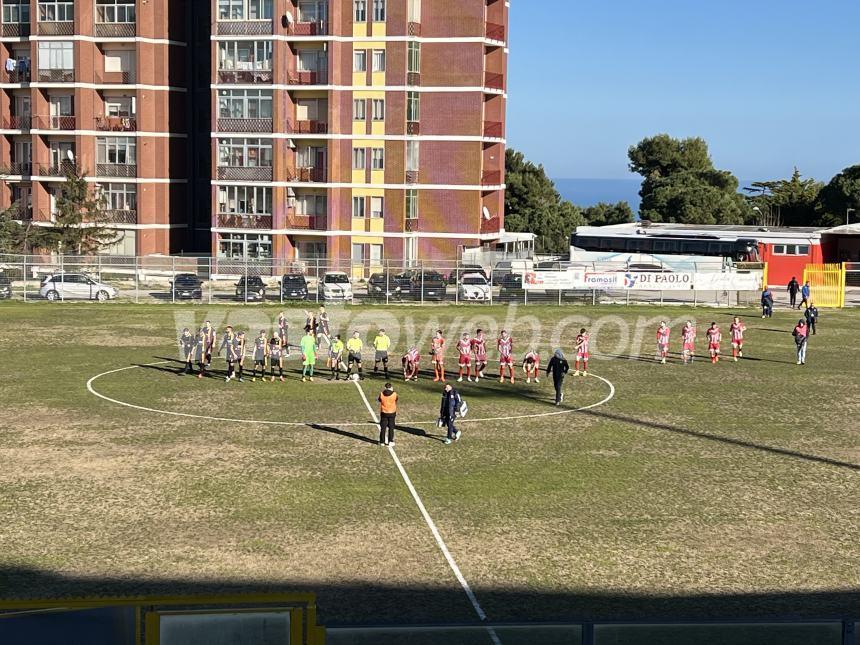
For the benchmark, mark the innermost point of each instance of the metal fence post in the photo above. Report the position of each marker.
(136, 280)
(246, 281)
(593, 297)
(62, 277)
(387, 284)
(422, 282)
(210, 280)
(661, 297)
(173, 280)
(457, 278)
(24, 277)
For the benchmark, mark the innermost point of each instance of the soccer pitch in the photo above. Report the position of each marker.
(655, 492)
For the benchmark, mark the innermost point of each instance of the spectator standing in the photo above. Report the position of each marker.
(801, 336)
(766, 303)
(448, 412)
(558, 367)
(805, 292)
(811, 316)
(793, 288)
(387, 415)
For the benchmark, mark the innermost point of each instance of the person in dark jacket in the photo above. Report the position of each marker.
(558, 367)
(766, 303)
(448, 412)
(793, 288)
(811, 315)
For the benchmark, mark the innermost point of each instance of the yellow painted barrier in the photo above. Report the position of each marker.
(827, 284)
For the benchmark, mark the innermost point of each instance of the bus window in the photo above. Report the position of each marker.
(803, 249)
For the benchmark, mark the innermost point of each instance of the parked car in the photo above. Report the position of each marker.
(464, 270)
(474, 286)
(75, 286)
(427, 285)
(186, 285)
(335, 286)
(383, 285)
(510, 286)
(251, 288)
(5, 287)
(294, 286)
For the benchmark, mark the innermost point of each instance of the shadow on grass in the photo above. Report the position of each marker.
(343, 433)
(417, 432)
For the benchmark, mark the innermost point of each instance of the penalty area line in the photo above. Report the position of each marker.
(433, 529)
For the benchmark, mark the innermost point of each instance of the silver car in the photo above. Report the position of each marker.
(75, 286)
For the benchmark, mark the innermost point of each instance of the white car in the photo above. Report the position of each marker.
(335, 286)
(75, 286)
(474, 286)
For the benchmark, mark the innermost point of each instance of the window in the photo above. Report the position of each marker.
(245, 153)
(311, 204)
(412, 204)
(414, 11)
(245, 9)
(791, 249)
(378, 10)
(16, 12)
(359, 58)
(378, 109)
(413, 57)
(115, 11)
(312, 60)
(376, 253)
(412, 155)
(119, 60)
(413, 106)
(245, 247)
(116, 150)
(311, 157)
(119, 197)
(359, 110)
(358, 204)
(359, 10)
(359, 158)
(312, 11)
(245, 104)
(244, 200)
(55, 11)
(56, 55)
(377, 158)
(358, 252)
(376, 207)
(411, 250)
(378, 60)
(312, 110)
(245, 55)
(803, 249)
(119, 106)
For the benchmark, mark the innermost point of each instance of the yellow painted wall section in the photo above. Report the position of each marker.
(359, 30)
(377, 128)
(378, 79)
(378, 29)
(359, 79)
(377, 176)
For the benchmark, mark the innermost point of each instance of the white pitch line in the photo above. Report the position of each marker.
(435, 531)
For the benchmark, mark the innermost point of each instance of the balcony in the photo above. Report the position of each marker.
(306, 222)
(231, 220)
(21, 213)
(414, 29)
(120, 216)
(494, 81)
(56, 75)
(313, 175)
(413, 78)
(412, 225)
(245, 28)
(413, 127)
(260, 125)
(60, 169)
(411, 176)
(245, 76)
(116, 30)
(491, 178)
(316, 28)
(116, 170)
(12, 29)
(17, 122)
(18, 76)
(492, 225)
(493, 129)
(22, 168)
(495, 32)
(127, 77)
(307, 127)
(308, 77)
(56, 122)
(245, 173)
(64, 28)
(116, 123)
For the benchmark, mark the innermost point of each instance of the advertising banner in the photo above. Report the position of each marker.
(553, 280)
(677, 281)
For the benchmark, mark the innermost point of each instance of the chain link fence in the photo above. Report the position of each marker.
(182, 279)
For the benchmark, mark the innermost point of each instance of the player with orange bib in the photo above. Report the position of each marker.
(663, 333)
(582, 340)
(506, 356)
(737, 329)
(437, 355)
(688, 336)
(464, 351)
(715, 336)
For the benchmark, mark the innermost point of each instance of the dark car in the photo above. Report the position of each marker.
(294, 286)
(510, 286)
(5, 287)
(465, 269)
(382, 285)
(427, 285)
(186, 285)
(250, 288)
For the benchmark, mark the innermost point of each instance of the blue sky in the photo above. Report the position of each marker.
(769, 84)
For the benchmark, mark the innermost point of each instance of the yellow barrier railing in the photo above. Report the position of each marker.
(827, 284)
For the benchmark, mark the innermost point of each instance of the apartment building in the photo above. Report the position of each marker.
(99, 85)
(357, 131)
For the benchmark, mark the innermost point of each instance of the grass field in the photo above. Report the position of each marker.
(697, 492)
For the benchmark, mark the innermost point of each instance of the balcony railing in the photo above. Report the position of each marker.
(413, 127)
(116, 123)
(11, 29)
(414, 28)
(116, 78)
(231, 124)
(231, 220)
(245, 28)
(64, 28)
(23, 168)
(494, 81)
(56, 122)
(22, 213)
(316, 28)
(493, 129)
(120, 216)
(495, 32)
(245, 76)
(17, 76)
(17, 122)
(116, 30)
(411, 176)
(491, 178)
(245, 173)
(412, 225)
(413, 78)
(116, 170)
(307, 174)
(492, 225)
(306, 222)
(56, 75)
(56, 169)
(307, 127)
(308, 77)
